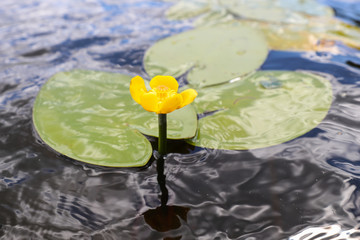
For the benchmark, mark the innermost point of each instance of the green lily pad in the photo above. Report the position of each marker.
(279, 11)
(295, 37)
(309, 7)
(246, 115)
(335, 29)
(264, 11)
(298, 25)
(211, 55)
(318, 35)
(90, 116)
(188, 9)
(181, 123)
(285, 36)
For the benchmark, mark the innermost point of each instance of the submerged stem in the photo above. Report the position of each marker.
(162, 180)
(160, 161)
(162, 134)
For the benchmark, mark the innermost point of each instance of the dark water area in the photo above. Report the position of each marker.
(348, 11)
(268, 193)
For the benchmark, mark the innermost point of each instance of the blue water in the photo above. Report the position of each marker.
(268, 193)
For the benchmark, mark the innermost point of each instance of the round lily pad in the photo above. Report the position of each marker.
(309, 7)
(318, 35)
(188, 9)
(335, 29)
(210, 55)
(264, 109)
(90, 116)
(264, 11)
(280, 11)
(285, 36)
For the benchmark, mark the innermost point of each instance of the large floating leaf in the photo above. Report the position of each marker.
(261, 110)
(317, 35)
(188, 9)
(90, 116)
(286, 36)
(212, 55)
(280, 11)
(287, 24)
(278, 36)
(335, 29)
(288, 11)
(309, 7)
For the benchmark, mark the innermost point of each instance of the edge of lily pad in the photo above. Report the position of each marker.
(148, 152)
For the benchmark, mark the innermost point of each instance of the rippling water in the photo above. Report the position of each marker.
(269, 193)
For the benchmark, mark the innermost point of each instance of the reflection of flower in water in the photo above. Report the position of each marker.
(165, 218)
(163, 97)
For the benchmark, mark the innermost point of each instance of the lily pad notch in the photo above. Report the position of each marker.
(209, 55)
(264, 109)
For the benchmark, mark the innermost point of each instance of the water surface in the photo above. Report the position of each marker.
(268, 193)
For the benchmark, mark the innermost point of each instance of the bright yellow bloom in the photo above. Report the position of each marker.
(163, 97)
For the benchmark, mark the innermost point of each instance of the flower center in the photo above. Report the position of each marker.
(163, 92)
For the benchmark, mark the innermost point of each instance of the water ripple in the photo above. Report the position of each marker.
(269, 193)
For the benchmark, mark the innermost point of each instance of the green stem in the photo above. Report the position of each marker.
(162, 134)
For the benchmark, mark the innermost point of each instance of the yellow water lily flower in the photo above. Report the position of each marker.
(163, 97)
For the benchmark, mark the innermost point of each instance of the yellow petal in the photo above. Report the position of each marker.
(137, 88)
(170, 104)
(150, 102)
(188, 96)
(168, 81)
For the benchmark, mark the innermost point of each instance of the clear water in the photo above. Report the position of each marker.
(269, 193)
